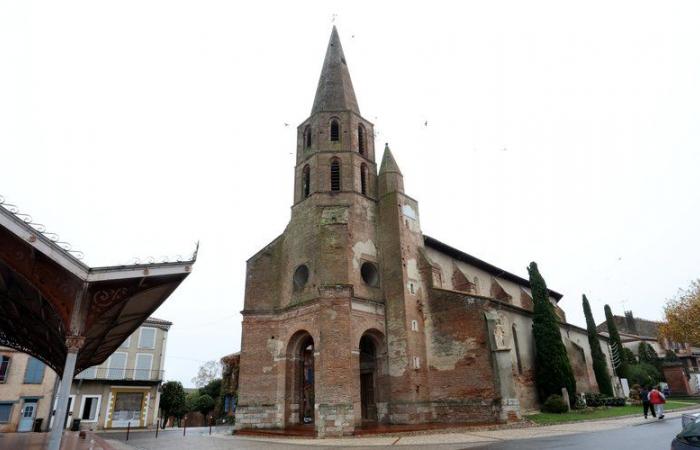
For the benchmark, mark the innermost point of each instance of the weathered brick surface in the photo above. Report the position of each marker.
(430, 353)
(677, 381)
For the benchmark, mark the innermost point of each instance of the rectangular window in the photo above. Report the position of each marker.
(4, 368)
(147, 338)
(117, 366)
(5, 412)
(91, 408)
(88, 374)
(144, 361)
(34, 374)
(127, 408)
(416, 362)
(126, 343)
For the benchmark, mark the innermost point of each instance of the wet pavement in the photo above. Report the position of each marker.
(39, 441)
(628, 433)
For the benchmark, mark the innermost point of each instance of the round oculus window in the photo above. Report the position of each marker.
(301, 276)
(370, 274)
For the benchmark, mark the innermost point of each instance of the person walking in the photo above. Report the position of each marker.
(644, 397)
(657, 398)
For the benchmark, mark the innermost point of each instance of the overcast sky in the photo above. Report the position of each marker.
(564, 133)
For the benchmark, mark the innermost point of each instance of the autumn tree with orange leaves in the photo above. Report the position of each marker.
(682, 322)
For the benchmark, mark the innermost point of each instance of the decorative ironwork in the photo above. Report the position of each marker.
(136, 260)
(41, 228)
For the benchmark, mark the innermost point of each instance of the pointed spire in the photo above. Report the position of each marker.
(334, 91)
(388, 162)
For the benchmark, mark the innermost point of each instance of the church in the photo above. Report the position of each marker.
(353, 316)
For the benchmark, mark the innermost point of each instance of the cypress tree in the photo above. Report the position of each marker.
(553, 369)
(600, 366)
(616, 344)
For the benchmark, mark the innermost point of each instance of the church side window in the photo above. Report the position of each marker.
(517, 350)
(363, 179)
(306, 182)
(335, 130)
(307, 137)
(335, 175)
(361, 139)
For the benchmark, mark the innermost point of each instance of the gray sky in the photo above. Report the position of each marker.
(560, 132)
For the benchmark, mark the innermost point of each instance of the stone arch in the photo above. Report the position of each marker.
(300, 379)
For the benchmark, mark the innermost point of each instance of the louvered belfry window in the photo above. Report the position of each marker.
(335, 175)
(335, 131)
(363, 179)
(307, 137)
(361, 139)
(306, 182)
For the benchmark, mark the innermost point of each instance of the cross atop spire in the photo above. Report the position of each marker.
(334, 91)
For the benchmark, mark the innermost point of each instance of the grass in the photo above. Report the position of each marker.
(603, 412)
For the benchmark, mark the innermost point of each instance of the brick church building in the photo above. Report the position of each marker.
(353, 316)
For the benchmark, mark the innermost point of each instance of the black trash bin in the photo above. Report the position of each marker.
(75, 426)
(37, 425)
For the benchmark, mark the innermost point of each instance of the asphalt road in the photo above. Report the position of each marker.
(649, 435)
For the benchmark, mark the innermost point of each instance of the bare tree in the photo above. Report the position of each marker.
(208, 371)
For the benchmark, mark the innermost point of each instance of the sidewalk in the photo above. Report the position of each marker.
(483, 436)
(39, 441)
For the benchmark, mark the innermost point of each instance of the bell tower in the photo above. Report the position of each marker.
(335, 145)
(313, 349)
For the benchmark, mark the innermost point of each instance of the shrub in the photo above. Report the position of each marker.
(595, 400)
(643, 374)
(555, 404)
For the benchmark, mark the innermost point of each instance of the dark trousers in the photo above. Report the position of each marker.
(648, 406)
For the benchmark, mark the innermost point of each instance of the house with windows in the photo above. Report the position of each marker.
(27, 387)
(682, 375)
(124, 390)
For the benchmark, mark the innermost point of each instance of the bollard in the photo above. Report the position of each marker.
(157, 426)
(209, 426)
(184, 427)
(128, 427)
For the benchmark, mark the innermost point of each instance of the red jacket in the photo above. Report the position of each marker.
(656, 397)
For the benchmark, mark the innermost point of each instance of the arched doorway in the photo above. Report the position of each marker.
(300, 380)
(306, 384)
(368, 378)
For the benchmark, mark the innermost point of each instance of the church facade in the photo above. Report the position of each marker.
(353, 316)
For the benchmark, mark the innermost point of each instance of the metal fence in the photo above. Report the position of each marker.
(113, 373)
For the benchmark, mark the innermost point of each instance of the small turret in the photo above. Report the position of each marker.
(390, 177)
